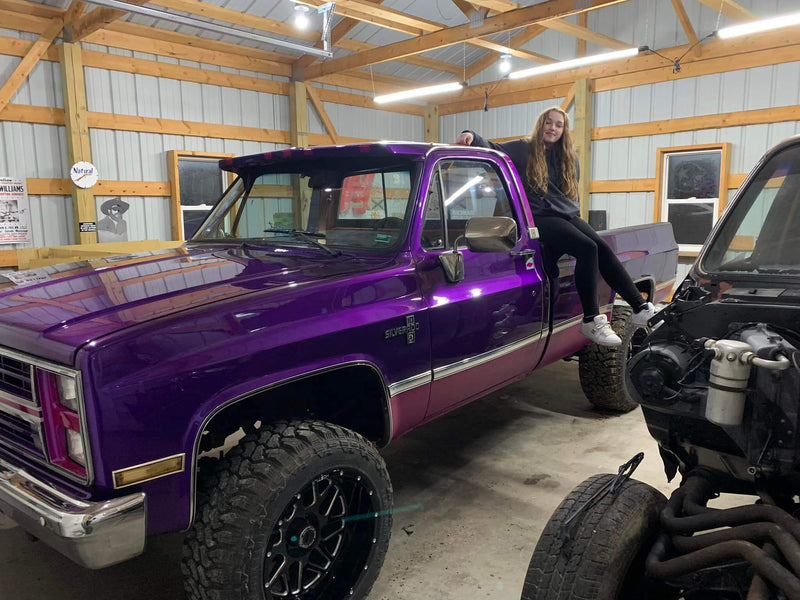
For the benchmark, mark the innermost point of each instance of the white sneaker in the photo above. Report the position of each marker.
(599, 331)
(641, 318)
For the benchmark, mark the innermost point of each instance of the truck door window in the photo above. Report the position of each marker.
(459, 190)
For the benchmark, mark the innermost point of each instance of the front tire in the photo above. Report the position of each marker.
(603, 559)
(602, 368)
(301, 509)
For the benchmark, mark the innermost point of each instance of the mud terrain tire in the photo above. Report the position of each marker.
(602, 368)
(299, 509)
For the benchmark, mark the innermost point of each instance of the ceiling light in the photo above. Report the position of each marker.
(300, 16)
(505, 63)
(757, 26)
(418, 92)
(576, 62)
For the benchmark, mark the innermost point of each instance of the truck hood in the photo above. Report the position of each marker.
(52, 311)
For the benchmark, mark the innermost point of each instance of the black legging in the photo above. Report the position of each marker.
(577, 238)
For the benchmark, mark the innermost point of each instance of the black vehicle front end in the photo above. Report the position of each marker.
(718, 380)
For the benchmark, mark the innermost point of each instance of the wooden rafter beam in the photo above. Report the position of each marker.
(99, 19)
(338, 33)
(583, 33)
(517, 41)
(729, 8)
(323, 114)
(31, 59)
(552, 9)
(420, 61)
(686, 23)
(218, 13)
(497, 5)
(465, 7)
(568, 99)
(502, 48)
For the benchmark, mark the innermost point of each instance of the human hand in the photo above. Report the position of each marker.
(465, 139)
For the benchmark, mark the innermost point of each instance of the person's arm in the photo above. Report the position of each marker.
(470, 138)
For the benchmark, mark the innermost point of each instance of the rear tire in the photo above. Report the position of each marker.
(299, 509)
(602, 368)
(603, 559)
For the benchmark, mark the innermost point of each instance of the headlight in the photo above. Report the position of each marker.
(75, 449)
(68, 392)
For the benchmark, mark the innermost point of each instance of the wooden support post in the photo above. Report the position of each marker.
(298, 115)
(432, 123)
(78, 145)
(583, 141)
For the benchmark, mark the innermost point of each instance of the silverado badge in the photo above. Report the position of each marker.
(409, 330)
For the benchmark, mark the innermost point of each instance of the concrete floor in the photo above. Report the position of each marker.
(479, 485)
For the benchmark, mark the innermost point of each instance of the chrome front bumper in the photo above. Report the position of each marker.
(93, 534)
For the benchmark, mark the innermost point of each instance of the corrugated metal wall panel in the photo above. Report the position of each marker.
(51, 222)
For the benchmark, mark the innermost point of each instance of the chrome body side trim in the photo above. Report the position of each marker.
(410, 383)
(93, 534)
(480, 359)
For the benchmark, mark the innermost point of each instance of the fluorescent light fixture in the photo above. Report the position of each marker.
(455, 195)
(418, 92)
(575, 62)
(757, 26)
(505, 63)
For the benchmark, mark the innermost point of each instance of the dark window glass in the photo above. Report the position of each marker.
(694, 175)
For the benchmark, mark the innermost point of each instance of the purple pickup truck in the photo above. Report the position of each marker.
(239, 387)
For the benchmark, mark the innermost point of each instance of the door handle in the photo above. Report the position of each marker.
(526, 253)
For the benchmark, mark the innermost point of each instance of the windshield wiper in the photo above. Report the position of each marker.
(307, 237)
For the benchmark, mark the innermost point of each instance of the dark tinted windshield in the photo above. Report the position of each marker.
(761, 234)
(337, 204)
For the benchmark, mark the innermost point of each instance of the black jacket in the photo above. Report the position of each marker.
(554, 202)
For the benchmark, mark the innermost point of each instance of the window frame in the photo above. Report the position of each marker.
(661, 203)
(437, 179)
(173, 158)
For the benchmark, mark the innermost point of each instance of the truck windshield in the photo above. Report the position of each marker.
(331, 206)
(761, 234)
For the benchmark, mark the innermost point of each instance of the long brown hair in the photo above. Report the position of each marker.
(565, 155)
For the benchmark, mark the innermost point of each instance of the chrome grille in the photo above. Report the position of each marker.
(20, 416)
(15, 377)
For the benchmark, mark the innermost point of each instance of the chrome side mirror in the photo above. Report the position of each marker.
(491, 234)
(483, 234)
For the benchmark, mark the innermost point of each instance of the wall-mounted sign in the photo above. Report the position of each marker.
(83, 174)
(88, 226)
(14, 211)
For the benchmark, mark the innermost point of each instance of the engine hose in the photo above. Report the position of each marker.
(693, 494)
(753, 532)
(656, 566)
(759, 589)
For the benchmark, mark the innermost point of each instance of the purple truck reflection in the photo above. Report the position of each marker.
(238, 387)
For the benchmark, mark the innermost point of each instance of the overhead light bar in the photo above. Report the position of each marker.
(225, 30)
(576, 62)
(452, 86)
(758, 26)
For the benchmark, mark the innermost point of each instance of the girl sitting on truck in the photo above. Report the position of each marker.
(549, 169)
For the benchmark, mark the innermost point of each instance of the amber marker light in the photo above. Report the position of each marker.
(148, 471)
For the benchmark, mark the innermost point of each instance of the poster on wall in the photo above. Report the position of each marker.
(14, 211)
(113, 227)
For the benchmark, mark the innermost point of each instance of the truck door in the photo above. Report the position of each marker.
(485, 329)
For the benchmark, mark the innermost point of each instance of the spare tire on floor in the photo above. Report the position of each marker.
(603, 556)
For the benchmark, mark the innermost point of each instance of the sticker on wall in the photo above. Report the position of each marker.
(83, 174)
(88, 227)
(14, 211)
(113, 227)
